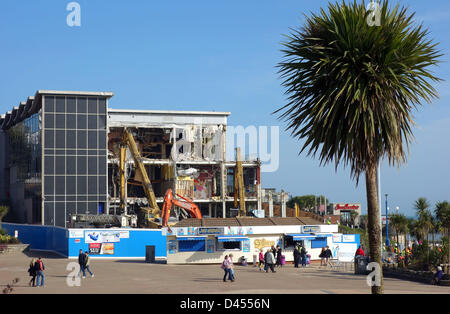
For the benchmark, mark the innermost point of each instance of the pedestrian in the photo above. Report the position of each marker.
(87, 261)
(322, 257)
(224, 266)
(303, 256)
(296, 257)
(437, 276)
(227, 266)
(261, 259)
(81, 262)
(360, 252)
(270, 261)
(39, 269)
(279, 255)
(230, 258)
(328, 254)
(32, 273)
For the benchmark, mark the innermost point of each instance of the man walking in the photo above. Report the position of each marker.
(296, 257)
(82, 262)
(87, 261)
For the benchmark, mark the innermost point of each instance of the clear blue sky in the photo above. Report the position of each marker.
(210, 55)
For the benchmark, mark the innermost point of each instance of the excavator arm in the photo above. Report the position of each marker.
(184, 203)
(154, 210)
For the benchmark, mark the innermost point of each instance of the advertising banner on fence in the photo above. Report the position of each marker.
(102, 236)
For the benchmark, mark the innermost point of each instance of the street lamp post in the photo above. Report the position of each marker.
(387, 223)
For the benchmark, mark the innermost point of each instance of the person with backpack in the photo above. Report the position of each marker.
(32, 273)
(39, 269)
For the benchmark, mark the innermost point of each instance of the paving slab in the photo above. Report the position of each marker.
(137, 277)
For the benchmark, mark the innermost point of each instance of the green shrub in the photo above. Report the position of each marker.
(7, 239)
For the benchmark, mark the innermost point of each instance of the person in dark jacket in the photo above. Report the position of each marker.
(39, 269)
(279, 254)
(32, 273)
(82, 262)
(327, 255)
(296, 257)
(303, 256)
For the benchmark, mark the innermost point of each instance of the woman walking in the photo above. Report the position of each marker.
(227, 266)
(322, 257)
(279, 256)
(261, 259)
(32, 273)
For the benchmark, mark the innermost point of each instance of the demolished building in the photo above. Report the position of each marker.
(60, 157)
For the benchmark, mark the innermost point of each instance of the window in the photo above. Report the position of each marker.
(229, 245)
(290, 243)
(191, 246)
(318, 243)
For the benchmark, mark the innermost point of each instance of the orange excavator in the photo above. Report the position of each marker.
(183, 203)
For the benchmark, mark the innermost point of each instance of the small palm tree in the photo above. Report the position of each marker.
(395, 221)
(442, 212)
(351, 90)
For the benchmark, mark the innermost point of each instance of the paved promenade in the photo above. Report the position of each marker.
(134, 277)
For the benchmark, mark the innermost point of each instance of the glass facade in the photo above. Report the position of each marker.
(25, 155)
(74, 157)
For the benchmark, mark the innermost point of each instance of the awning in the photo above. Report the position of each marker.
(193, 238)
(301, 236)
(324, 235)
(231, 238)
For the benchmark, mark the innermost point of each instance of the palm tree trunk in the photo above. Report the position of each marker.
(373, 214)
(398, 248)
(406, 250)
(428, 250)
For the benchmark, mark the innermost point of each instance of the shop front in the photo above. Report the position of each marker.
(209, 245)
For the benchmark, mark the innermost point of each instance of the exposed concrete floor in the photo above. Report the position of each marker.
(134, 277)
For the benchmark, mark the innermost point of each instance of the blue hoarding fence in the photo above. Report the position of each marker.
(102, 243)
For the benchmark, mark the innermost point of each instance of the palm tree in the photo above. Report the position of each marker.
(424, 216)
(424, 221)
(395, 221)
(351, 89)
(363, 221)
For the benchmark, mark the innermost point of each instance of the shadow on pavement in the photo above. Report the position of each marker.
(43, 254)
(139, 262)
(207, 279)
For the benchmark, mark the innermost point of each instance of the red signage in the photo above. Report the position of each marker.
(346, 207)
